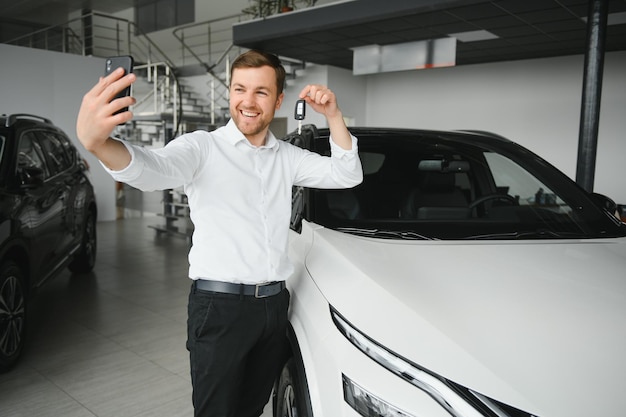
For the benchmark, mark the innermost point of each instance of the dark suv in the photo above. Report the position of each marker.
(47, 218)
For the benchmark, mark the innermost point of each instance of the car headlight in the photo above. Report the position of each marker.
(456, 399)
(366, 403)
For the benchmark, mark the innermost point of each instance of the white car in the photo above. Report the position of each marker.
(465, 276)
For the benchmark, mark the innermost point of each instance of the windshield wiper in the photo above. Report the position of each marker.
(384, 234)
(529, 234)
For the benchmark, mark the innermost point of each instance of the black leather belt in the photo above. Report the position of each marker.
(259, 290)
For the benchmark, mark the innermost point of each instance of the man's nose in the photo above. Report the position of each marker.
(249, 98)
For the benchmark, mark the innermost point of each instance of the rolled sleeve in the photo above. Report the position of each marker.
(131, 171)
(347, 164)
(338, 152)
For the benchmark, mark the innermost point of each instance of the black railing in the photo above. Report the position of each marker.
(95, 34)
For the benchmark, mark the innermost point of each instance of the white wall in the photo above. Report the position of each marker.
(316, 74)
(536, 103)
(350, 92)
(51, 84)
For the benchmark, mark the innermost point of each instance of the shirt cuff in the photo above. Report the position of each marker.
(130, 170)
(340, 152)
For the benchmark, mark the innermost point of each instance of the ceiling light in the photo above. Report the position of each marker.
(616, 18)
(473, 36)
(433, 53)
(613, 18)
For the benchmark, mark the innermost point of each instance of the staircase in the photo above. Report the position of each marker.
(174, 96)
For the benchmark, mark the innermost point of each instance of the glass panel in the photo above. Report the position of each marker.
(514, 180)
(153, 15)
(444, 188)
(30, 155)
(55, 152)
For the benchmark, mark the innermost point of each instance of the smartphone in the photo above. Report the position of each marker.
(114, 62)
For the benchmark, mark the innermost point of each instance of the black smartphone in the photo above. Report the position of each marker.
(114, 62)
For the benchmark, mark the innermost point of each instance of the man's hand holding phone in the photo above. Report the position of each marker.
(102, 109)
(125, 62)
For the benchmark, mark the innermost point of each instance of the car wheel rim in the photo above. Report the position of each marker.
(11, 316)
(90, 240)
(289, 403)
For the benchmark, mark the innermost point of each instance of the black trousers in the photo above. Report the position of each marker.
(237, 345)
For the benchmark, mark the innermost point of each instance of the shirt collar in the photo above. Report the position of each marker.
(234, 136)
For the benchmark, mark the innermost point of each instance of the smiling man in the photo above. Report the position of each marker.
(253, 101)
(238, 180)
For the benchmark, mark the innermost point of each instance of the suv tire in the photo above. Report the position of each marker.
(12, 314)
(290, 401)
(85, 259)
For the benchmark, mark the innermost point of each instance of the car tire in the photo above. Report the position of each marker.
(85, 259)
(12, 314)
(290, 393)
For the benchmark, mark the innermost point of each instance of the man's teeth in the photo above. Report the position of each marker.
(248, 114)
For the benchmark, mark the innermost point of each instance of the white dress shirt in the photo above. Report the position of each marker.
(239, 196)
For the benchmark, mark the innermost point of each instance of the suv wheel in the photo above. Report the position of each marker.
(85, 259)
(12, 314)
(289, 394)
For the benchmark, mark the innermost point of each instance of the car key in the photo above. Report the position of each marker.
(299, 114)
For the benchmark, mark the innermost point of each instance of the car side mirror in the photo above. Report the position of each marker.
(297, 207)
(605, 203)
(31, 177)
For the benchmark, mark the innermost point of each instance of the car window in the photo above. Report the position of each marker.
(56, 151)
(30, 155)
(371, 162)
(514, 180)
(440, 188)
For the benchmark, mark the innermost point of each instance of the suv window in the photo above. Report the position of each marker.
(55, 148)
(514, 180)
(30, 155)
(443, 188)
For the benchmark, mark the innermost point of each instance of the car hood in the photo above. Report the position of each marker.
(538, 324)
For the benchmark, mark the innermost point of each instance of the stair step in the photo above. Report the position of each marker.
(190, 70)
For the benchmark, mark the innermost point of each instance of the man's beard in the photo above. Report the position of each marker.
(248, 127)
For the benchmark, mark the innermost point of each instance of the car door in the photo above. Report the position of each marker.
(41, 211)
(60, 163)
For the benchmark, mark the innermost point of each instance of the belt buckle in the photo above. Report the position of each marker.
(256, 290)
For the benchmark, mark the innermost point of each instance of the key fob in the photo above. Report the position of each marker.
(300, 110)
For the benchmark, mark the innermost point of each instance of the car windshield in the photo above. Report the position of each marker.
(459, 187)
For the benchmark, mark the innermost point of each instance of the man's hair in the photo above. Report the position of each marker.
(257, 59)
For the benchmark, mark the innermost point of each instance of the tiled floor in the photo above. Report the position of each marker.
(111, 343)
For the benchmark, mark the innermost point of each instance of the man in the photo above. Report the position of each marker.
(238, 180)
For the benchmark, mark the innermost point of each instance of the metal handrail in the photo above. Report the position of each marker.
(167, 84)
(207, 23)
(99, 34)
(130, 27)
(118, 39)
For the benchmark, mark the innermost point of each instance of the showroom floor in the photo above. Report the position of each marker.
(111, 343)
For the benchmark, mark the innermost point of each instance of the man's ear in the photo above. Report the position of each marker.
(279, 101)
